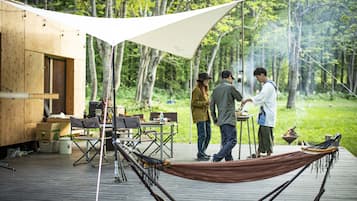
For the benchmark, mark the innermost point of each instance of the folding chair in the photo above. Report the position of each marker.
(83, 126)
(134, 135)
(154, 116)
(172, 118)
(123, 134)
(141, 116)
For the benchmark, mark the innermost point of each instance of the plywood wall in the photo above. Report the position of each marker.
(26, 39)
(12, 77)
(34, 72)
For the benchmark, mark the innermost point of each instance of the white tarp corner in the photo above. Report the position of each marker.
(179, 34)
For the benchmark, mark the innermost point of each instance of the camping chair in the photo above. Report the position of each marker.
(173, 120)
(80, 132)
(124, 134)
(133, 123)
(154, 116)
(132, 134)
(141, 116)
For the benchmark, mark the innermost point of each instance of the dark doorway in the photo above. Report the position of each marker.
(55, 82)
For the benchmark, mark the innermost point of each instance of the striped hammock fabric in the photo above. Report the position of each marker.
(245, 170)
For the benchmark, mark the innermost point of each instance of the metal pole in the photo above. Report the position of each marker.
(117, 163)
(191, 64)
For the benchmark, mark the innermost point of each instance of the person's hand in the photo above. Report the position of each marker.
(245, 101)
(242, 103)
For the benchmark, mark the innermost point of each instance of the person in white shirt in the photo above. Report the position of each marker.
(266, 99)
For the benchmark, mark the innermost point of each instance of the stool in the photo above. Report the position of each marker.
(246, 119)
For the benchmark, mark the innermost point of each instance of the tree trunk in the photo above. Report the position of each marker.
(149, 64)
(293, 62)
(343, 59)
(120, 51)
(144, 54)
(334, 73)
(92, 68)
(91, 58)
(214, 52)
(107, 71)
(354, 72)
(278, 67)
(308, 79)
(292, 85)
(263, 55)
(273, 64)
(107, 59)
(196, 65)
(149, 82)
(250, 70)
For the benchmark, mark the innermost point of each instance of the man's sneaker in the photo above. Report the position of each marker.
(213, 159)
(203, 158)
(206, 155)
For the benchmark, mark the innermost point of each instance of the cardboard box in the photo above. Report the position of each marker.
(44, 135)
(48, 126)
(48, 131)
(63, 124)
(49, 146)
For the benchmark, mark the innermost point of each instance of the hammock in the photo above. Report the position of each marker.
(243, 170)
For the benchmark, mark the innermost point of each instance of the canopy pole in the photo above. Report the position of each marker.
(191, 66)
(117, 163)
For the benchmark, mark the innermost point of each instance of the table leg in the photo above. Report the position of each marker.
(255, 144)
(161, 133)
(240, 139)
(172, 141)
(250, 148)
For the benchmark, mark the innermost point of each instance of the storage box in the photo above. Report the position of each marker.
(48, 131)
(49, 146)
(63, 124)
(44, 135)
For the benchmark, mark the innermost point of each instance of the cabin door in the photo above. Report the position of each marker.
(55, 82)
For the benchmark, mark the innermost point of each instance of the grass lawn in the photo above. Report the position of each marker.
(313, 118)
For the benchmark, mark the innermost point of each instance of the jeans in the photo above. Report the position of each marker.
(229, 140)
(204, 137)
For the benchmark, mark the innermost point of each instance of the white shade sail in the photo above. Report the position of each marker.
(179, 34)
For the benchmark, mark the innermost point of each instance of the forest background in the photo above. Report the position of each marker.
(308, 48)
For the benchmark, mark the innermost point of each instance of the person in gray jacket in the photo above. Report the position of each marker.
(223, 99)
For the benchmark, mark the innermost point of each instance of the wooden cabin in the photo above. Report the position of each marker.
(40, 60)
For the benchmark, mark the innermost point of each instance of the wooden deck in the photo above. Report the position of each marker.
(42, 176)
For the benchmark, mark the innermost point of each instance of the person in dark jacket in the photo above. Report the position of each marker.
(201, 116)
(223, 99)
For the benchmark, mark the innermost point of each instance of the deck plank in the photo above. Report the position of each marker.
(50, 177)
